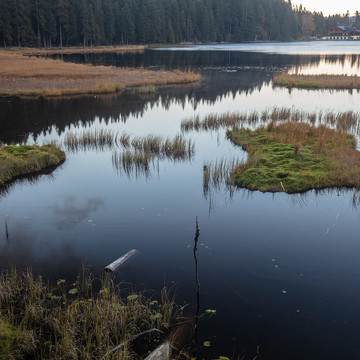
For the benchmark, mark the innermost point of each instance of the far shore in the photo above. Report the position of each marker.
(78, 50)
(322, 81)
(32, 76)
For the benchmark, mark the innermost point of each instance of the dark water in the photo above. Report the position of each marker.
(281, 271)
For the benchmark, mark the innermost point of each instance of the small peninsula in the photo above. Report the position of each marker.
(296, 157)
(35, 76)
(16, 160)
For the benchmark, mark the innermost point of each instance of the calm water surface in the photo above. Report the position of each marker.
(282, 271)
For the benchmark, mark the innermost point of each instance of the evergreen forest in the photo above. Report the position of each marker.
(59, 23)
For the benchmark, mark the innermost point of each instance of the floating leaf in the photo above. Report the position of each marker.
(209, 311)
(132, 297)
(223, 358)
(207, 343)
(284, 291)
(73, 291)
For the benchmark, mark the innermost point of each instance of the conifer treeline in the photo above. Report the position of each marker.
(107, 22)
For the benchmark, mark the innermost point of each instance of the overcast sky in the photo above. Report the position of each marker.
(329, 7)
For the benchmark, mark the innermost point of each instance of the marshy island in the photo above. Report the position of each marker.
(296, 157)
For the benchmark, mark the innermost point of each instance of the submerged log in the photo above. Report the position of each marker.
(162, 352)
(121, 261)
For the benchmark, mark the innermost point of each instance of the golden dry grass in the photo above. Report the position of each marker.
(318, 81)
(30, 76)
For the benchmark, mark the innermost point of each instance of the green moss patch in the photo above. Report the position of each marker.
(27, 159)
(296, 157)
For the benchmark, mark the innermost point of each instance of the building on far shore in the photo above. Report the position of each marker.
(343, 33)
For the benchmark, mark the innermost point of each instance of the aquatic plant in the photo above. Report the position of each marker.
(218, 173)
(96, 139)
(71, 321)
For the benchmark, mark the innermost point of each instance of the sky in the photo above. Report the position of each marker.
(329, 7)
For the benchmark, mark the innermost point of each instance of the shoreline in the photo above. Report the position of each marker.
(22, 75)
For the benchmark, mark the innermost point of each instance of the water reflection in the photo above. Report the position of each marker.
(88, 213)
(73, 210)
(329, 64)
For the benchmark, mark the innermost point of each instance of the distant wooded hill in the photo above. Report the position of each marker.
(108, 22)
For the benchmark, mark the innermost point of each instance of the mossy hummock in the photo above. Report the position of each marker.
(18, 160)
(296, 157)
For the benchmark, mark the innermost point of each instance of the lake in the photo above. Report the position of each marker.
(282, 271)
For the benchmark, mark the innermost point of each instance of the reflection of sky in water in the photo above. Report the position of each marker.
(292, 48)
(88, 212)
(344, 65)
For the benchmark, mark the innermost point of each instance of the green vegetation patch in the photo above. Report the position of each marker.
(296, 157)
(9, 337)
(18, 160)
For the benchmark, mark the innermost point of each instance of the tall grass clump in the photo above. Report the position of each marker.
(38, 321)
(219, 173)
(97, 139)
(296, 157)
(145, 152)
(18, 160)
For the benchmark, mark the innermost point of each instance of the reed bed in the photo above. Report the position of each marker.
(38, 321)
(133, 163)
(103, 139)
(346, 121)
